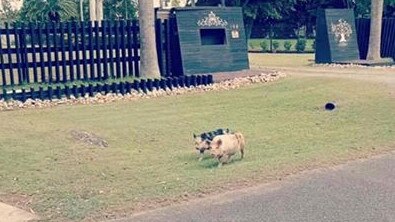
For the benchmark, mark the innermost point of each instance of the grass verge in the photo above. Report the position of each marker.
(150, 157)
(280, 60)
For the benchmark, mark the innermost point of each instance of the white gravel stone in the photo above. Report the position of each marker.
(136, 95)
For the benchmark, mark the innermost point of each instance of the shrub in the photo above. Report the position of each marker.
(264, 46)
(251, 46)
(287, 45)
(276, 45)
(300, 45)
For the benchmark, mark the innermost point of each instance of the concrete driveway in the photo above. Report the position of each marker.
(359, 191)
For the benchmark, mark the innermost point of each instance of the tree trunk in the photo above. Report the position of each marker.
(248, 23)
(82, 10)
(92, 10)
(99, 10)
(375, 30)
(148, 55)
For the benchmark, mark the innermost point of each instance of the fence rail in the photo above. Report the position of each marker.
(69, 51)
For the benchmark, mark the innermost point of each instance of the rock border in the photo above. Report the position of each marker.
(99, 98)
(352, 65)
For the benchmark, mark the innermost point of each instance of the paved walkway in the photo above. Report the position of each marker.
(359, 191)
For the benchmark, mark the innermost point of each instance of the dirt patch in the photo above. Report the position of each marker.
(90, 139)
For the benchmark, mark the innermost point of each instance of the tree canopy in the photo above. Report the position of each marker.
(41, 10)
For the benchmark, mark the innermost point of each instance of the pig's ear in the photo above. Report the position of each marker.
(219, 142)
(194, 136)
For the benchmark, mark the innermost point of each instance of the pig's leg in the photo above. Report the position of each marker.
(201, 154)
(221, 160)
(224, 159)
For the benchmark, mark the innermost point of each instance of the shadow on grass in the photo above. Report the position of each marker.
(208, 162)
(211, 163)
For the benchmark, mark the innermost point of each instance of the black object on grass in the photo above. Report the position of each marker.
(330, 106)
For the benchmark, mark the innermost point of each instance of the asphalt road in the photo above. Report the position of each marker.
(359, 191)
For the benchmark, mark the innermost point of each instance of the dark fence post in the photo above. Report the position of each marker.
(41, 93)
(18, 53)
(65, 77)
(106, 88)
(77, 40)
(70, 51)
(136, 46)
(48, 41)
(163, 83)
(167, 47)
(82, 90)
(114, 87)
(91, 55)
(111, 48)
(123, 48)
(24, 58)
(58, 92)
(121, 88)
(75, 91)
(50, 92)
(159, 44)
(56, 50)
(67, 91)
(129, 45)
(32, 93)
(104, 45)
(98, 47)
(33, 48)
(23, 95)
(10, 60)
(117, 53)
(90, 90)
(128, 87)
(83, 47)
(143, 85)
(2, 64)
(41, 52)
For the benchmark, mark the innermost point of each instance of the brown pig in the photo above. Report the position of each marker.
(223, 147)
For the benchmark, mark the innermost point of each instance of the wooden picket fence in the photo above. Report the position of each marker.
(387, 37)
(68, 51)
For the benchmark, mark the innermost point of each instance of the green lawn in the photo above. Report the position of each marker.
(280, 60)
(254, 44)
(150, 155)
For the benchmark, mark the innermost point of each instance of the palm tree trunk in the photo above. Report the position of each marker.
(148, 55)
(375, 30)
(99, 10)
(82, 10)
(92, 10)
